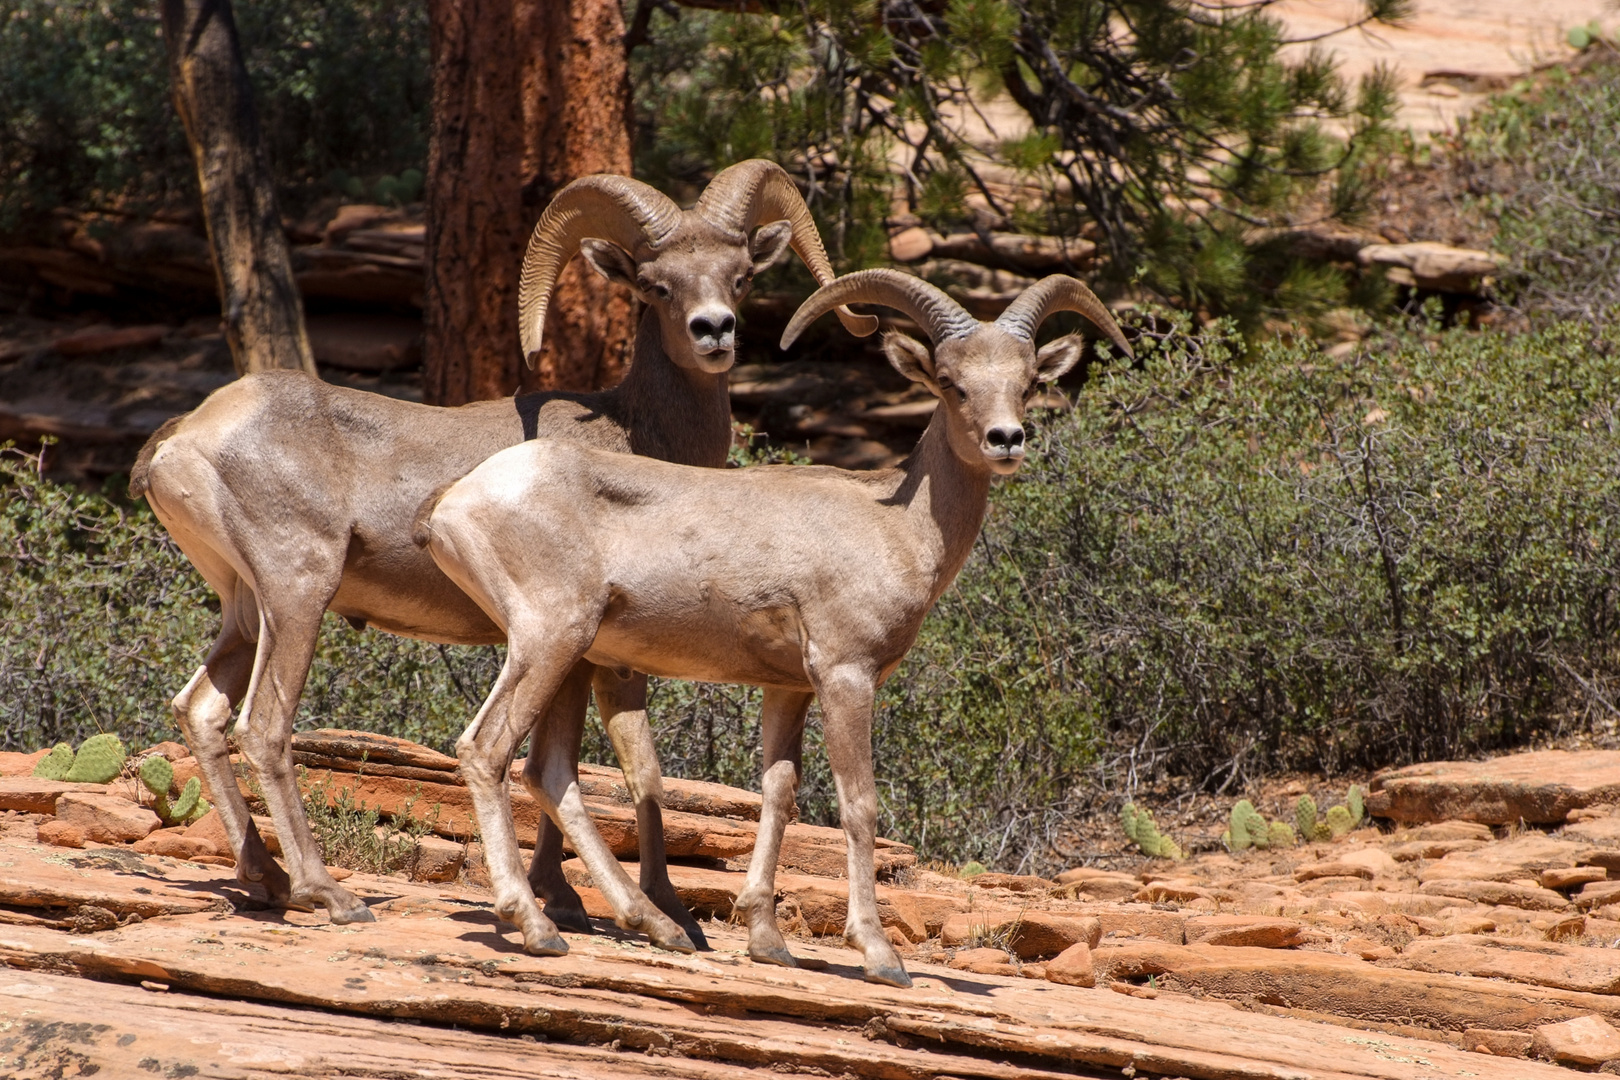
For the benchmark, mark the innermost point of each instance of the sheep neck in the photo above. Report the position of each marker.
(944, 499)
(673, 413)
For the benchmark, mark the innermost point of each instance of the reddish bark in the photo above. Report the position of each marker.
(527, 96)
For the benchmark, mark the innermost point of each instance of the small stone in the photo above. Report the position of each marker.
(1368, 949)
(211, 827)
(338, 873)
(175, 844)
(1100, 884)
(1014, 882)
(1239, 930)
(61, 834)
(168, 749)
(1164, 926)
(1499, 1043)
(984, 962)
(1335, 869)
(1380, 862)
(106, 819)
(91, 919)
(1570, 877)
(1072, 967)
(1585, 1040)
(20, 765)
(897, 937)
(1178, 892)
(437, 859)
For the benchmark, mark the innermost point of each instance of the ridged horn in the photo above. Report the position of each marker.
(756, 192)
(1053, 294)
(615, 208)
(939, 316)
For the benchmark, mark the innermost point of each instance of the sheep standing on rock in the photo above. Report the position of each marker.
(806, 581)
(293, 497)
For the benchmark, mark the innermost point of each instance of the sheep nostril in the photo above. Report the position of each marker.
(1005, 438)
(702, 328)
(728, 324)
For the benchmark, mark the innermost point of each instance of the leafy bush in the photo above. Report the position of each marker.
(1211, 570)
(1548, 159)
(88, 120)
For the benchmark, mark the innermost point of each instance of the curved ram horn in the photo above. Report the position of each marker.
(939, 316)
(615, 208)
(757, 192)
(1053, 294)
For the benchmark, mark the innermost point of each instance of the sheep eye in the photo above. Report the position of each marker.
(740, 284)
(659, 291)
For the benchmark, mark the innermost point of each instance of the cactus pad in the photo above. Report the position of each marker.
(1140, 827)
(1305, 817)
(1282, 834)
(99, 760)
(183, 806)
(1339, 821)
(55, 765)
(1249, 828)
(157, 774)
(1358, 809)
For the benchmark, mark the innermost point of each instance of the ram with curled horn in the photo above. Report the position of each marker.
(294, 497)
(807, 582)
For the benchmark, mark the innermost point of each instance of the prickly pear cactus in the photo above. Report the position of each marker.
(99, 760)
(1140, 827)
(1282, 834)
(1358, 809)
(1339, 821)
(158, 775)
(55, 765)
(1127, 821)
(1305, 817)
(1249, 827)
(185, 805)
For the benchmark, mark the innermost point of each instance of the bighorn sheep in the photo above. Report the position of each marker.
(293, 497)
(805, 581)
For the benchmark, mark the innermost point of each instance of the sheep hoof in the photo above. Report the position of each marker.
(572, 919)
(889, 975)
(551, 946)
(676, 942)
(356, 914)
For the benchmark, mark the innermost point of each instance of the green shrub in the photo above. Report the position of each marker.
(1210, 571)
(1546, 158)
(88, 120)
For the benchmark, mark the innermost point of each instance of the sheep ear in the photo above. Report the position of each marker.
(610, 260)
(910, 358)
(1057, 357)
(769, 245)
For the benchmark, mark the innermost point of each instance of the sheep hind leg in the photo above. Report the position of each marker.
(523, 691)
(783, 723)
(623, 705)
(563, 905)
(287, 638)
(558, 792)
(203, 710)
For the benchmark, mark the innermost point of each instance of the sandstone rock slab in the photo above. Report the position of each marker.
(1508, 894)
(1072, 966)
(984, 962)
(33, 795)
(175, 844)
(60, 834)
(437, 859)
(1586, 1040)
(1100, 884)
(1498, 1043)
(1525, 960)
(1539, 787)
(106, 819)
(1244, 930)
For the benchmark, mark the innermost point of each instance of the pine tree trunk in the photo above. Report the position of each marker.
(527, 96)
(264, 316)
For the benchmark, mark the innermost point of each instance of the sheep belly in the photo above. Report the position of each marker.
(706, 642)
